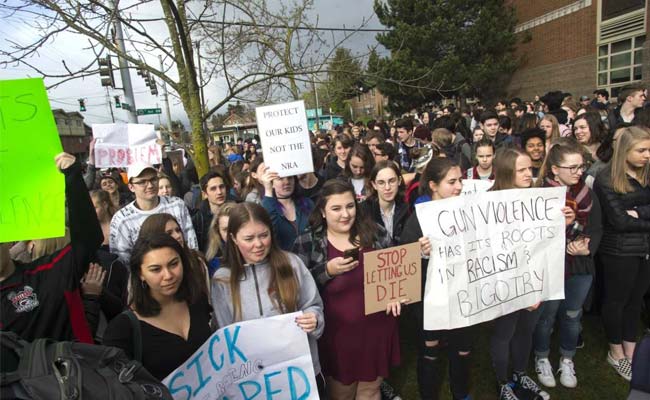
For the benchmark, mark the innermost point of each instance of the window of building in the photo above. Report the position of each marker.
(67, 121)
(614, 8)
(620, 62)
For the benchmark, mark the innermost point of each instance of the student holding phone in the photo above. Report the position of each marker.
(357, 350)
(564, 166)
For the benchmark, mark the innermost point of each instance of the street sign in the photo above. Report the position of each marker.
(126, 107)
(148, 111)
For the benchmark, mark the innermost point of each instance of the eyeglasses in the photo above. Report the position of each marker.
(390, 182)
(144, 182)
(574, 168)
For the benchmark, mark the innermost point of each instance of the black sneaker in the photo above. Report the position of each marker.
(388, 392)
(506, 392)
(527, 389)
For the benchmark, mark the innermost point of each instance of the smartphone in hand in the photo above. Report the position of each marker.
(354, 253)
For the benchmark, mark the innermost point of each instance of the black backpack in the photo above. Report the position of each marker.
(50, 370)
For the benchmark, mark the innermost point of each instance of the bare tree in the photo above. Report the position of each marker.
(260, 52)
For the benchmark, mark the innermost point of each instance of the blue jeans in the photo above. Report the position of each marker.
(569, 312)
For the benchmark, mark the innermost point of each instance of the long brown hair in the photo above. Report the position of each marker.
(283, 286)
(215, 246)
(561, 148)
(627, 139)
(363, 231)
(102, 196)
(195, 268)
(503, 167)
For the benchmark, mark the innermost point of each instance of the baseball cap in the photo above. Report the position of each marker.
(137, 169)
(584, 98)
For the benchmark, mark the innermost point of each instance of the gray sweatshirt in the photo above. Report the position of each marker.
(256, 303)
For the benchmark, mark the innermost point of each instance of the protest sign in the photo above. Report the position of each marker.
(471, 186)
(120, 145)
(252, 360)
(32, 190)
(391, 275)
(285, 138)
(492, 253)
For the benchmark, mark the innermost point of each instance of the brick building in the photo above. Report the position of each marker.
(578, 46)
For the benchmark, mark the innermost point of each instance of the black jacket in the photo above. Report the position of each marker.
(371, 208)
(201, 221)
(624, 235)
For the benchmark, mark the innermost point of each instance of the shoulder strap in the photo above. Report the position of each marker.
(136, 334)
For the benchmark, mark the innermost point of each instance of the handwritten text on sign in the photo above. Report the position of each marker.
(471, 186)
(492, 253)
(285, 138)
(120, 145)
(252, 360)
(32, 191)
(391, 275)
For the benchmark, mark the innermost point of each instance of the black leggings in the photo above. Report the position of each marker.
(512, 337)
(626, 281)
(429, 369)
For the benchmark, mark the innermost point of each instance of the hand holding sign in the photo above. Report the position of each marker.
(307, 321)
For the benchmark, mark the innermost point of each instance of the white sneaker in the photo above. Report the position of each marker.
(544, 372)
(567, 373)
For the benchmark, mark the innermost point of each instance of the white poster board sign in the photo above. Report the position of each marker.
(492, 254)
(471, 186)
(255, 360)
(285, 140)
(120, 145)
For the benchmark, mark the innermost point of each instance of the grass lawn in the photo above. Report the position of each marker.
(596, 379)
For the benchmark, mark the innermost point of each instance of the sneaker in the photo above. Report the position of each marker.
(567, 373)
(526, 388)
(388, 392)
(622, 366)
(544, 372)
(581, 342)
(506, 392)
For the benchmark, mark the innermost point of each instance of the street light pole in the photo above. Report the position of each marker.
(124, 70)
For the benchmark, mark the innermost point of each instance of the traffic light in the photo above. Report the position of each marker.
(82, 104)
(106, 71)
(153, 87)
(117, 102)
(140, 71)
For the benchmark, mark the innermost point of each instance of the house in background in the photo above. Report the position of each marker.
(74, 133)
(368, 104)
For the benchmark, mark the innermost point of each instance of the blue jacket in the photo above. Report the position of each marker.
(286, 231)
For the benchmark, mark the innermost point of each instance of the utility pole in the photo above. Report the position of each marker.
(129, 98)
(110, 104)
(313, 84)
(204, 124)
(169, 115)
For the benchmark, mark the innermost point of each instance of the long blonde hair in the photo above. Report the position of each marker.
(215, 241)
(43, 247)
(283, 286)
(626, 140)
(555, 131)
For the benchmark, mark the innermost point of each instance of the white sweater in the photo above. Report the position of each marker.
(126, 224)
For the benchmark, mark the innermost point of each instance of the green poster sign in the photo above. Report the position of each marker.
(32, 190)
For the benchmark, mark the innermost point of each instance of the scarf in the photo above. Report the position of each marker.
(579, 199)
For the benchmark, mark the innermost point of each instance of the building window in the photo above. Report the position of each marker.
(615, 8)
(620, 62)
(67, 121)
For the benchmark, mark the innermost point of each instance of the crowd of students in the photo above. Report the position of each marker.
(185, 255)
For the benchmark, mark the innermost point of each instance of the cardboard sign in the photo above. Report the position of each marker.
(32, 190)
(120, 145)
(391, 275)
(253, 360)
(492, 254)
(284, 134)
(471, 186)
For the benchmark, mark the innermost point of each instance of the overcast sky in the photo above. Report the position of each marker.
(74, 50)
